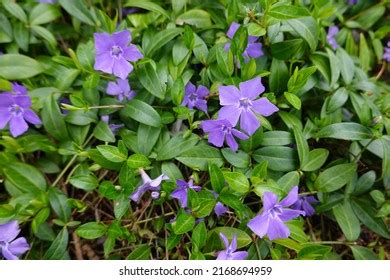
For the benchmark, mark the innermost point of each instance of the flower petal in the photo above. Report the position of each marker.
(23, 101)
(6, 100)
(240, 255)
(17, 125)
(269, 200)
(289, 214)
(31, 117)
(121, 38)
(181, 195)
(7, 254)
(5, 117)
(132, 53)
(139, 192)
(157, 182)
(19, 246)
(254, 50)
(230, 113)
(277, 229)
(264, 107)
(259, 225)
(113, 89)
(291, 198)
(251, 88)
(211, 125)
(216, 137)
(224, 240)
(103, 42)
(202, 91)
(249, 122)
(232, 29)
(104, 62)
(229, 95)
(9, 231)
(232, 143)
(121, 68)
(220, 209)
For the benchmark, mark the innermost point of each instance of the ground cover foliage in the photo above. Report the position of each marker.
(186, 129)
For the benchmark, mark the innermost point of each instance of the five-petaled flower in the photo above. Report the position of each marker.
(195, 97)
(253, 49)
(121, 89)
(304, 203)
(18, 89)
(181, 192)
(331, 37)
(11, 248)
(113, 53)
(230, 252)
(221, 130)
(271, 221)
(15, 110)
(243, 104)
(148, 185)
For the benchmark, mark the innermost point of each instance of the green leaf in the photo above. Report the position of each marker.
(142, 112)
(337, 100)
(161, 39)
(59, 202)
(44, 34)
(25, 177)
(279, 76)
(91, 230)
(288, 180)
(147, 5)
(78, 9)
(199, 236)
(335, 177)
(293, 100)
(199, 157)
(316, 159)
(44, 13)
(183, 223)
(313, 252)
(243, 239)
(287, 12)
(176, 146)
(58, 249)
(345, 131)
(171, 170)
(306, 28)
(347, 220)
(112, 153)
(364, 54)
(196, 17)
(347, 66)
(225, 61)
(286, 49)
(363, 253)
(216, 177)
(386, 162)
(237, 181)
(84, 182)
(15, 10)
(238, 159)
(148, 77)
(17, 67)
(203, 203)
(137, 161)
(334, 67)
(279, 158)
(277, 138)
(53, 120)
(302, 146)
(142, 252)
(103, 132)
(22, 36)
(366, 215)
(147, 132)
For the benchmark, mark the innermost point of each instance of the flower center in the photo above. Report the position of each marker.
(193, 97)
(276, 211)
(16, 109)
(225, 129)
(245, 103)
(116, 51)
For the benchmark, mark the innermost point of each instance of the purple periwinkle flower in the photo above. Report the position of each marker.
(220, 209)
(181, 192)
(113, 53)
(331, 37)
(195, 97)
(253, 49)
(148, 185)
(221, 130)
(242, 104)
(304, 203)
(48, 1)
(121, 89)
(15, 110)
(271, 221)
(386, 54)
(11, 248)
(18, 89)
(352, 2)
(230, 252)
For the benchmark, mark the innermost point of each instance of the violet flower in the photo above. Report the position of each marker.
(121, 89)
(352, 2)
(195, 97)
(330, 37)
(230, 252)
(181, 192)
(148, 185)
(221, 130)
(253, 49)
(304, 203)
(242, 104)
(113, 53)
(113, 127)
(220, 209)
(271, 221)
(386, 54)
(15, 110)
(18, 89)
(48, 1)
(11, 248)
